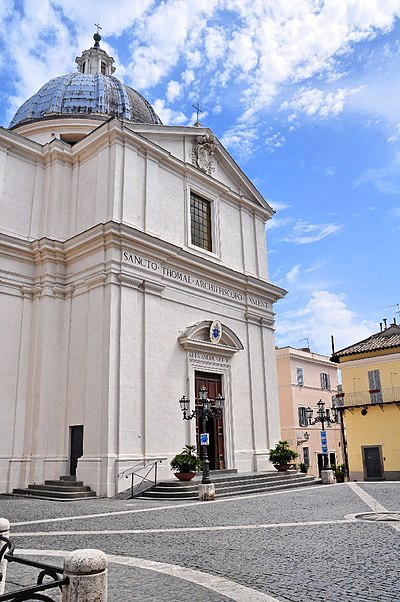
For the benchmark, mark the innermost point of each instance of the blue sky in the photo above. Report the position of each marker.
(305, 95)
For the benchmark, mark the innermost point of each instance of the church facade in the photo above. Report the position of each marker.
(122, 243)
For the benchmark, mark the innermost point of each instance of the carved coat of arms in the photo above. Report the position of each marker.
(203, 152)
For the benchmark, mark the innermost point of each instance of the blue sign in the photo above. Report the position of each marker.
(204, 439)
(324, 449)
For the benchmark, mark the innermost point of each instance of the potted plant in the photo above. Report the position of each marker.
(340, 473)
(186, 464)
(303, 467)
(282, 456)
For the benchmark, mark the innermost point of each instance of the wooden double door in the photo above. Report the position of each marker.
(215, 426)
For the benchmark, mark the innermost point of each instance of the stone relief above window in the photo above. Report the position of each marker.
(203, 148)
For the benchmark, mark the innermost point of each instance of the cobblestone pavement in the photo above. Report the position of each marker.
(299, 546)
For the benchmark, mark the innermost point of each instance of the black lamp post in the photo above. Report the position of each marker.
(204, 411)
(325, 417)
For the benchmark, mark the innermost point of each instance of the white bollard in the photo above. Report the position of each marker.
(206, 492)
(5, 532)
(87, 573)
(327, 476)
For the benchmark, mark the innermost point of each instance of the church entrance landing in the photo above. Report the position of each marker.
(215, 426)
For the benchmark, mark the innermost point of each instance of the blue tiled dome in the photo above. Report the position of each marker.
(86, 94)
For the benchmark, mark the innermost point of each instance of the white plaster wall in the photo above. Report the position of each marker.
(232, 252)
(17, 201)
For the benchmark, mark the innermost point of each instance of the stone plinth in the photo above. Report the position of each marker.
(206, 492)
(327, 477)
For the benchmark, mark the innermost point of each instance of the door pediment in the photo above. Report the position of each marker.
(197, 338)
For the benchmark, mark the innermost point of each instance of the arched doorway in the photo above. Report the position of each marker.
(215, 426)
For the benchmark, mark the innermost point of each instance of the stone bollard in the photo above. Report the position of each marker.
(5, 532)
(206, 492)
(327, 476)
(87, 573)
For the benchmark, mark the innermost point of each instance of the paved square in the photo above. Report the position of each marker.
(296, 546)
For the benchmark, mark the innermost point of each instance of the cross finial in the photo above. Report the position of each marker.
(98, 26)
(196, 106)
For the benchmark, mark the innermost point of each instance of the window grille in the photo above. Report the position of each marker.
(200, 217)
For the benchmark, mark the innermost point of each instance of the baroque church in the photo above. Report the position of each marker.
(133, 271)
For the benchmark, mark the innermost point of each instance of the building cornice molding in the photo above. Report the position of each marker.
(54, 259)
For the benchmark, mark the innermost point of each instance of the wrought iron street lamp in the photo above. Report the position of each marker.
(325, 417)
(204, 411)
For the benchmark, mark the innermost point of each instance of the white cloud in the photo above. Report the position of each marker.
(255, 47)
(279, 206)
(320, 103)
(173, 90)
(324, 314)
(169, 116)
(293, 274)
(274, 142)
(385, 179)
(241, 139)
(306, 233)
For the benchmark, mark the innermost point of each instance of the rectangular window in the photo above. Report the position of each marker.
(300, 376)
(306, 456)
(303, 421)
(200, 220)
(325, 381)
(103, 68)
(374, 384)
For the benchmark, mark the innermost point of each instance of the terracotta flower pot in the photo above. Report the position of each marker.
(185, 476)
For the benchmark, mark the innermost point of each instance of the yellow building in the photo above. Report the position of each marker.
(371, 404)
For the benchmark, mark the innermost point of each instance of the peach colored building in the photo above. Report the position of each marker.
(303, 379)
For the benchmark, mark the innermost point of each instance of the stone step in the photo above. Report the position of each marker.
(65, 488)
(232, 487)
(262, 477)
(64, 483)
(59, 495)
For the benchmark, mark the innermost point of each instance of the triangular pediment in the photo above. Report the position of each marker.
(201, 149)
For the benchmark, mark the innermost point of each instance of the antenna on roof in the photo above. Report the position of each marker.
(395, 305)
(305, 339)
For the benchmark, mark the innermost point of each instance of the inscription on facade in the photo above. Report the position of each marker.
(194, 355)
(173, 274)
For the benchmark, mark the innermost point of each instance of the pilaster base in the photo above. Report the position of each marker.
(206, 492)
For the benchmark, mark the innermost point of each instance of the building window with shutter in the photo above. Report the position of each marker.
(375, 388)
(306, 456)
(200, 222)
(303, 421)
(325, 381)
(300, 376)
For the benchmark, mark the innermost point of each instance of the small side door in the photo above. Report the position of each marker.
(372, 461)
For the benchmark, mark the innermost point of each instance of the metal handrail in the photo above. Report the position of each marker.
(134, 470)
(31, 593)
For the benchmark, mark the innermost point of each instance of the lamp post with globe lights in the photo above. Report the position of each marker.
(325, 418)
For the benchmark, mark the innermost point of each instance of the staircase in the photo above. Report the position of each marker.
(65, 489)
(230, 484)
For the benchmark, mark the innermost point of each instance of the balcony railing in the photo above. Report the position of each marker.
(365, 398)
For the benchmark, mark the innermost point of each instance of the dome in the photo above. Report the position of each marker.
(92, 92)
(86, 94)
